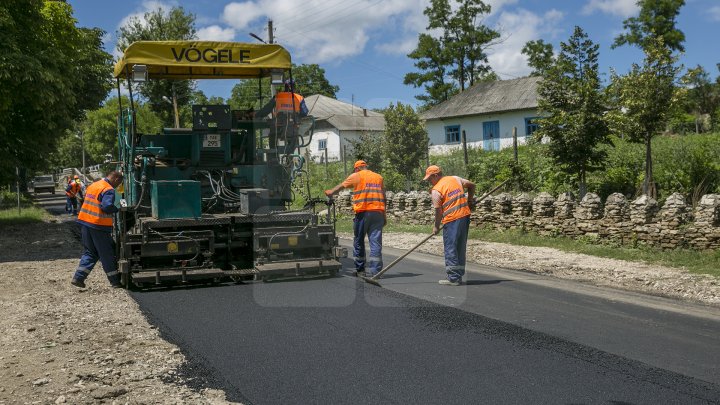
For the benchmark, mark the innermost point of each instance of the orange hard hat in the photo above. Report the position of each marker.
(432, 170)
(76, 177)
(359, 163)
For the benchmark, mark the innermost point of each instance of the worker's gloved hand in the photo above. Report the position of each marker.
(472, 205)
(435, 230)
(328, 193)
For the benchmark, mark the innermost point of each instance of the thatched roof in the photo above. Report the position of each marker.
(344, 116)
(489, 97)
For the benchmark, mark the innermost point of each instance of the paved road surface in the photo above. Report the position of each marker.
(506, 337)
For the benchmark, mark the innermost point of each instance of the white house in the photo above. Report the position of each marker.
(486, 113)
(337, 122)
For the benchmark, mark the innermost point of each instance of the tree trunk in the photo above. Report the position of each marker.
(583, 186)
(648, 185)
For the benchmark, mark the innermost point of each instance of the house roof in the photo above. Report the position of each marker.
(344, 116)
(489, 97)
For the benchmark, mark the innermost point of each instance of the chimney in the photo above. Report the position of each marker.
(364, 112)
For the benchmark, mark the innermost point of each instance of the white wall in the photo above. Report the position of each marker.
(335, 142)
(473, 127)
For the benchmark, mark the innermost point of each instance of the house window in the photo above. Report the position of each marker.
(452, 134)
(322, 144)
(531, 125)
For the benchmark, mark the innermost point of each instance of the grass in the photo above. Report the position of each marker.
(694, 261)
(27, 215)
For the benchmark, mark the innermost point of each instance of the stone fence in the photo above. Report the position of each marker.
(641, 221)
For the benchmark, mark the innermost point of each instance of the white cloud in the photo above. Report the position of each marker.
(714, 13)
(522, 26)
(329, 30)
(620, 8)
(240, 15)
(399, 47)
(146, 6)
(215, 33)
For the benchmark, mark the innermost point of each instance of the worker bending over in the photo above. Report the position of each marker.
(452, 209)
(73, 193)
(96, 220)
(368, 199)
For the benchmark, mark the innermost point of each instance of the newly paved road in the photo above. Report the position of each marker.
(506, 337)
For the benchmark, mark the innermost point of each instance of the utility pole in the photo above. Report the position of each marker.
(270, 32)
(17, 184)
(515, 144)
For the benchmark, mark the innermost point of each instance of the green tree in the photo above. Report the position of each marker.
(100, 130)
(434, 75)
(703, 95)
(571, 98)
(369, 147)
(310, 80)
(406, 139)
(250, 93)
(459, 54)
(540, 56)
(656, 19)
(162, 25)
(643, 100)
(50, 72)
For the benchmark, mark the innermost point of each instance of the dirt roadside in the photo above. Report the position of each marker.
(632, 276)
(61, 344)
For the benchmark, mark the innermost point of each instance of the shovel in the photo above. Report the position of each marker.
(374, 279)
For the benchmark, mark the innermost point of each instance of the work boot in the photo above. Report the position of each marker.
(118, 285)
(78, 283)
(448, 282)
(360, 274)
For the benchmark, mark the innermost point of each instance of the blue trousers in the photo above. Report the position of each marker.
(368, 223)
(455, 236)
(71, 205)
(98, 246)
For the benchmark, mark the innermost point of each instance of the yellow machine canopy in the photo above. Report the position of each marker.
(202, 59)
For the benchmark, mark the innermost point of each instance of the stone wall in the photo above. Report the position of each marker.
(642, 221)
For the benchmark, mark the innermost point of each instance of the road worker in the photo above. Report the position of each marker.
(73, 190)
(369, 206)
(96, 220)
(287, 108)
(452, 210)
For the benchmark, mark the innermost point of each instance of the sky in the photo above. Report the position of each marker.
(363, 44)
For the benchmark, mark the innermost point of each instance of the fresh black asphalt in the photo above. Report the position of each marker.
(342, 341)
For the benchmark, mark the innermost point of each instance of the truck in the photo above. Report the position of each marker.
(43, 183)
(227, 198)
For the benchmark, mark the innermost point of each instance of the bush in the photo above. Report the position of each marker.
(8, 199)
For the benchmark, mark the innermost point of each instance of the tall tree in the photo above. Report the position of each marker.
(540, 56)
(162, 25)
(643, 99)
(310, 79)
(573, 103)
(250, 93)
(656, 19)
(52, 71)
(434, 75)
(406, 139)
(459, 53)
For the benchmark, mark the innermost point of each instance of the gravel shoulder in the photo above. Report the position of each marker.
(626, 275)
(61, 344)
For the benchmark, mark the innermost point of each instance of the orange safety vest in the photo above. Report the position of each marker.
(74, 188)
(453, 199)
(368, 194)
(284, 102)
(90, 211)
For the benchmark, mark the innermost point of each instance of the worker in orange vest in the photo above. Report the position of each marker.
(72, 191)
(287, 108)
(452, 210)
(96, 220)
(369, 206)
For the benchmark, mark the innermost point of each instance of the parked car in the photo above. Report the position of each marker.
(46, 182)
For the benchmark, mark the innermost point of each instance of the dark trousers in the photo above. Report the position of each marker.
(455, 236)
(368, 223)
(98, 246)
